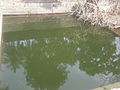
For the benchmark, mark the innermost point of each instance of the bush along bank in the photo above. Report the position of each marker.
(105, 13)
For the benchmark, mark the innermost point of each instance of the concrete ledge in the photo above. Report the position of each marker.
(114, 86)
(37, 15)
(36, 8)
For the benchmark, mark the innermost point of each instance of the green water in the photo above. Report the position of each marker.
(57, 53)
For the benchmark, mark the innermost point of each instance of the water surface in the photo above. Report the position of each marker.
(57, 53)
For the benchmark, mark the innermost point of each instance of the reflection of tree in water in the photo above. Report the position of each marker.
(44, 74)
(41, 72)
(97, 54)
(12, 59)
(45, 60)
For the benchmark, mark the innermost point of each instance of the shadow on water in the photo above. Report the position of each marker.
(47, 56)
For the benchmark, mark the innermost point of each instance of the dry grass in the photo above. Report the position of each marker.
(106, 13)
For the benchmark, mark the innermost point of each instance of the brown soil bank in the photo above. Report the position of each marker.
(105, 13)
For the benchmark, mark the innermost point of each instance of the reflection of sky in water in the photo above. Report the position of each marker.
(78, 79)
(117, 43)
(13, 81)
(24, 43)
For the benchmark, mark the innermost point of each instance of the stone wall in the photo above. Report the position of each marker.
(20, 7)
